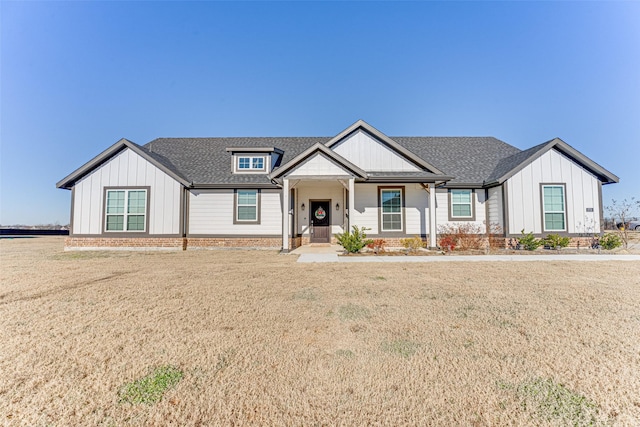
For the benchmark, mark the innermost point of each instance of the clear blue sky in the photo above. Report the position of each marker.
(78, 76)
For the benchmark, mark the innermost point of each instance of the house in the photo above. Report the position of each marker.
(189, 193)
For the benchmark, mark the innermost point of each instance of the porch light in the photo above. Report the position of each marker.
(302, 207)
(337, 206)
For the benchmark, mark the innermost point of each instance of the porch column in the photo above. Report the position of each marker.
(352, 202)
(285, 215)
(432, 216)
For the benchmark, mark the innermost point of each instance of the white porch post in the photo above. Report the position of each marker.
(286, 218)
(352, 202)
(432, 216)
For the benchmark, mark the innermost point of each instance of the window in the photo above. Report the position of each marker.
(391, 209)
(553, 207)
(246, 206)
(461, 204)
(244, 163)
(126, 210)
(247, 163)
(257, 163)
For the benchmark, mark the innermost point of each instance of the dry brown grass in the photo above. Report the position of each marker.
(262, 340)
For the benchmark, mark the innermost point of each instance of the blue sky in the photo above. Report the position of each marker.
(77, 76)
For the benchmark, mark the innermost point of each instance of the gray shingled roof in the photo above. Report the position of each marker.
(507, 164)
(471, 160)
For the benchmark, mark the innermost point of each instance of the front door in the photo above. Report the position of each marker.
(320, 221)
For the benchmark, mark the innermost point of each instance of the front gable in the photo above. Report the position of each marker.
(372, 155)
(373, 151)
(318, 161)
(319, 165)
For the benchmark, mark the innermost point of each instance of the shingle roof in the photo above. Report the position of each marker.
(470, 160)
(507, 164)
(206, 161)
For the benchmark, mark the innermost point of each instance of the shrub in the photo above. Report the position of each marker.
(377, 245)
(610, 241)
(413, 244)
(353, 242)
(466, 235)
(555, 241)
(529, 242)
(448, 243)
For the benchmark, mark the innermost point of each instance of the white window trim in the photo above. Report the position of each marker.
(470, 203)
(125, 214)
(383, 213)
(545, 211)
(251, 168)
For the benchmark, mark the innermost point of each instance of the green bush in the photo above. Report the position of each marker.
(610, 241)
(555, 241)
(353, 242)
(529, 242)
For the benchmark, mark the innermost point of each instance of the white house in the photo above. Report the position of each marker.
(186, 193)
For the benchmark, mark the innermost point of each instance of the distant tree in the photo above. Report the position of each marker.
(622, 212)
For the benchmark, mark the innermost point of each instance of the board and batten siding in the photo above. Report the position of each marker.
(524, 195)
(495, 207)
(372, 155)
(127, 169)
(318, 165)
(211, 214)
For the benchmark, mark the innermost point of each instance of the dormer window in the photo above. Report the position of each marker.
(250, 164)
(254, 159)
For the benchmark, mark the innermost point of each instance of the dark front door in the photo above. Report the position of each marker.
(320, 221)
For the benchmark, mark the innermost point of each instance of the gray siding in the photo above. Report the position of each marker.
(127, 169)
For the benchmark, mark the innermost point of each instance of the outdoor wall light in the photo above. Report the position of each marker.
(302, 207)
(337, 206)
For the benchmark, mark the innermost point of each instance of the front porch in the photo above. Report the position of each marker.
(320, 207)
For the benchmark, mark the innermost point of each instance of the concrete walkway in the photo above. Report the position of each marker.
(333, 257)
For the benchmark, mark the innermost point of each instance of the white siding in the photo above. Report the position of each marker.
(211, 213)
(442, 209)
(127, 169)
(416, 209)
(366, 207)
(320, 190)
(524, 197)
(371, 155)
(496, 212)
(318, 165)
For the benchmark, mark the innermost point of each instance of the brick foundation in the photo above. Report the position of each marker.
(180, 243)
(232, 242)
(139, 243)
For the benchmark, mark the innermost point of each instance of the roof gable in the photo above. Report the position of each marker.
(514, 164)
(318, 160)
(372, 155)
(158, 161)
(366, 136)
